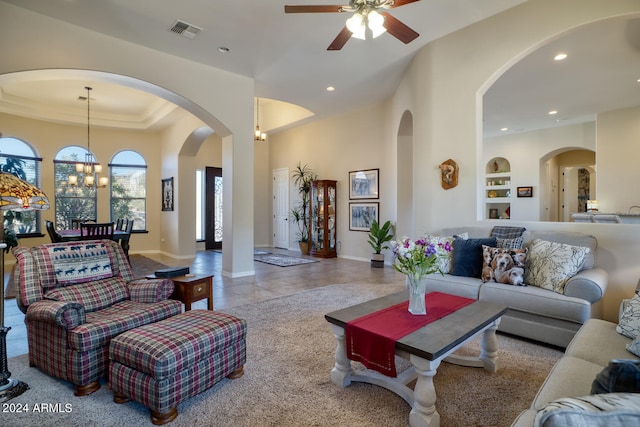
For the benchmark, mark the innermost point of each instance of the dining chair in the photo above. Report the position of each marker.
(94, 231)
(53, 234)
(124, 226)
(75, 222)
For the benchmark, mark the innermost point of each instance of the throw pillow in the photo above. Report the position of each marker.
(506, 232)
(510, 243)
(600, 410)
(80, 262)
(467, 256)
(444, 260)
(503, 265)
(92, 295)
(619, 376)
(629, 323)
(550, 265)
(634, 347)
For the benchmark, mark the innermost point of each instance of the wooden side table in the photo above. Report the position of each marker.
(191, 288)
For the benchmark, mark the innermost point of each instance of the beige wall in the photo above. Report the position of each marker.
(618, 136)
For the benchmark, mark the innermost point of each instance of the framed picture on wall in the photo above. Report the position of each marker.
(167, 194)
(525, 191)
(361, 215)
(363, 184)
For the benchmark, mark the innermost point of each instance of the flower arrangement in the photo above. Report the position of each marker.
(420, 257)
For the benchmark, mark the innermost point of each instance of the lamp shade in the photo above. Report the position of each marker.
(19, 195)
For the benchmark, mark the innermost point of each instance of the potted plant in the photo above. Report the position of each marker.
(378, 237)
(302, 178)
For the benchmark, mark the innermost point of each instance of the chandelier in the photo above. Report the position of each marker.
(258, 136)
(90, 168)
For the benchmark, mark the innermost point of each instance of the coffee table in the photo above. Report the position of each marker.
(424, 348)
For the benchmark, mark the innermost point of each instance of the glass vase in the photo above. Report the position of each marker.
(417, 289)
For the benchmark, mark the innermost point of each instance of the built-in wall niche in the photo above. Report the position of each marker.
(498, 190)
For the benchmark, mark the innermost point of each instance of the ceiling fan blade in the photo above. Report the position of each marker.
(342, 38)
(398, 29)
(399, 3)
(314, 9)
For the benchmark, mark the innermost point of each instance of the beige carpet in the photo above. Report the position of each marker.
(286, 381)
(140, 265)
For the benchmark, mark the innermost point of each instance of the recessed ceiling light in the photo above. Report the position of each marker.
(504, 129)
(223, 49)
(330, 88)
(552, 112)
(560, 56)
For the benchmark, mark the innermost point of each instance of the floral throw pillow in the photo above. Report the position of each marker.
(550, 265)
(444, 260)
(503, 265)
(629, 323)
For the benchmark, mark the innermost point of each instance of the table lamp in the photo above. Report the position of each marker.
(15, 195)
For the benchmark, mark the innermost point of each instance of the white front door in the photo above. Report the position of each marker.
(281, 208)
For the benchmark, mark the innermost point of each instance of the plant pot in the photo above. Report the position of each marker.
(304, 247)
(377, 260)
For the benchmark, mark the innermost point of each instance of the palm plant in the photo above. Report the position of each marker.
(302, 178)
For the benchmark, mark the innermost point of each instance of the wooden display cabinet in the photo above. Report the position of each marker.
(322, 213)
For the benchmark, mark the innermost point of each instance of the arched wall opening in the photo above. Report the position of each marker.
(404, 167)
(177, 239)
(549, 204)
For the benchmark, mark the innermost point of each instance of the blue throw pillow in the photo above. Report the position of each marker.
(466, 258)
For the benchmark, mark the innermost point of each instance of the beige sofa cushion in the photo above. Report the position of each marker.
(569, 377)
(598, 342)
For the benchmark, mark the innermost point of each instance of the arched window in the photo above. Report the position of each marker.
(18, 158)
(72, 201)
(128, 179)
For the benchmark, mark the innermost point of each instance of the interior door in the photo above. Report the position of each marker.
(281, 208)
(213, 208)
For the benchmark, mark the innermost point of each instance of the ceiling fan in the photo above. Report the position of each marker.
(366, 19)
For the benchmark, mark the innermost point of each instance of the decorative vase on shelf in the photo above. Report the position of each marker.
(417, 289)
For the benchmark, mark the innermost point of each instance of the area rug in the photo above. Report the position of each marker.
(282, 260)
(290, 353)
(142, 266)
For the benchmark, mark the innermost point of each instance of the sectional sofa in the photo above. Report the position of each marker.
(566, 399)
(534, 312)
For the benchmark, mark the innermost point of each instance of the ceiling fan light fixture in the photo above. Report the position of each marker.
(376, 23)
(355, 24)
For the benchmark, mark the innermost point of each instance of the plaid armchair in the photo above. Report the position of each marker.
(77, 296)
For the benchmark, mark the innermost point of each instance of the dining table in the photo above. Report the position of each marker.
(73, 234)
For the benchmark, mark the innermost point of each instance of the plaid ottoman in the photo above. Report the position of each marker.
(161, 364)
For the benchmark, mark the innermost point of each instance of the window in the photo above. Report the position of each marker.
(72, 201)
(18, 158)
(129, 188)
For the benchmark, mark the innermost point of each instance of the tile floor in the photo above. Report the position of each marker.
(270, 281)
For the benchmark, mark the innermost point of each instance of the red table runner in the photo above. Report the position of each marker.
(371, 339)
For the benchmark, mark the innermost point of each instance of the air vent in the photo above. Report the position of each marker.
(185, 29)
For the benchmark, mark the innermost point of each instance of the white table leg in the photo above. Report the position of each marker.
(342, 371)
(489, 352)
(423, 412)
